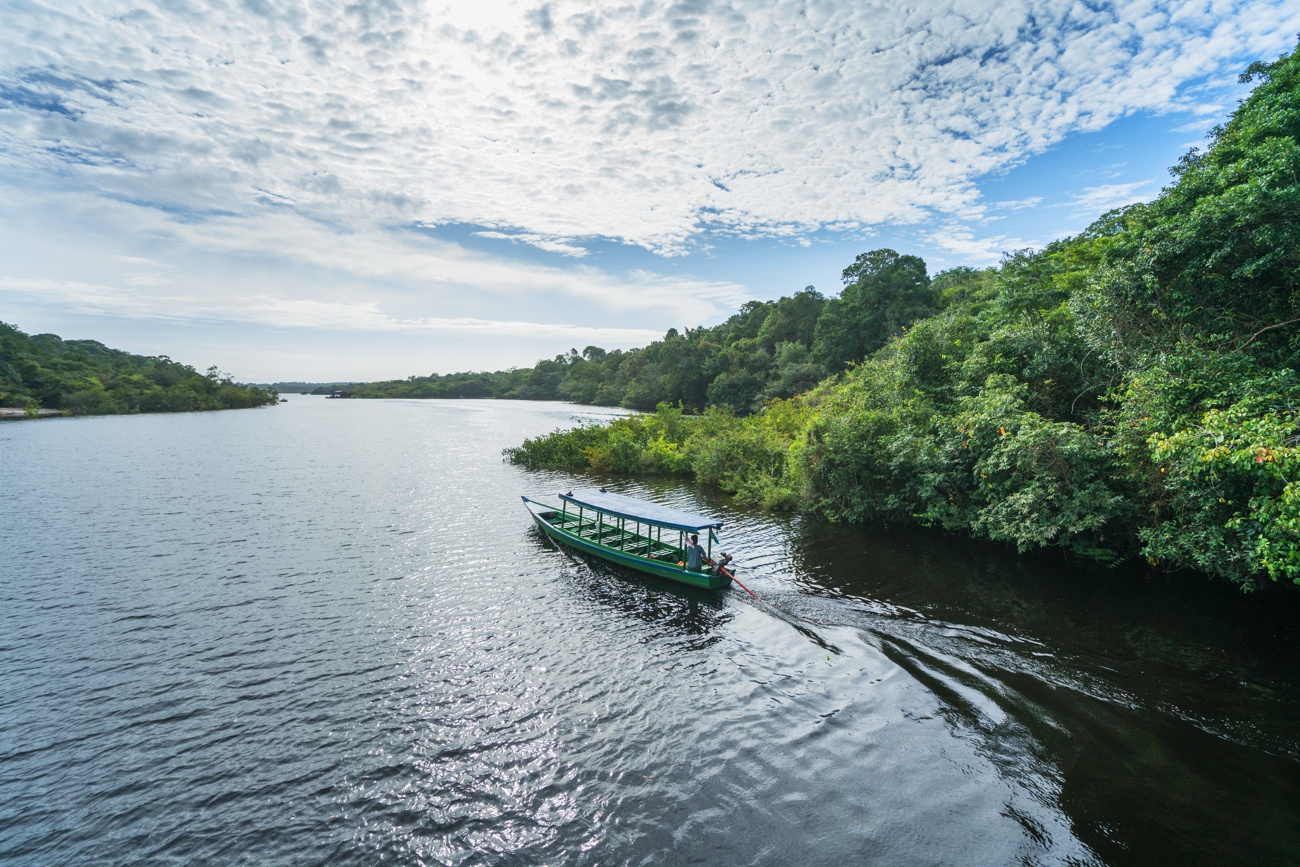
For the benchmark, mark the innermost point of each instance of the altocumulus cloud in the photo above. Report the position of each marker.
(340, 136)
(649, 124)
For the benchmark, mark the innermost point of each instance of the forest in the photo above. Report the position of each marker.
(1128, 392)
(85, 377)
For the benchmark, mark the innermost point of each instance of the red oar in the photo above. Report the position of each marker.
(724, 571)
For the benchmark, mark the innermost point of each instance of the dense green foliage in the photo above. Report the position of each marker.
(85, 377)
(302, 387)
(1129, 391)
(767, 350)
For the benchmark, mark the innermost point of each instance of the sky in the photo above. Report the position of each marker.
(376, 189)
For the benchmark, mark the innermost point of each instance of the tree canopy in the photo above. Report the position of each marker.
(85, 377)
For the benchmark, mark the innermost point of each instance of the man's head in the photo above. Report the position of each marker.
(695, 537)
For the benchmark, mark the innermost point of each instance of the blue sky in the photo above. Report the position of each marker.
(361, 190)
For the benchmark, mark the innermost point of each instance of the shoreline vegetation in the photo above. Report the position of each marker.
(43, 375)
(1128, 392)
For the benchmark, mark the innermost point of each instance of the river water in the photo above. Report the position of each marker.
(327, 632)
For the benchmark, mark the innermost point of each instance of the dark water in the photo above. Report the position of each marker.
(325, 632)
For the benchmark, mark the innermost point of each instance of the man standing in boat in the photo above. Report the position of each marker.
(695, 554)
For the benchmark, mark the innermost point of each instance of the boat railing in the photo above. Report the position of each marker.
(615, 535)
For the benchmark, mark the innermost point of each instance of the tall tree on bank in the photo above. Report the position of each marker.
(884, 291)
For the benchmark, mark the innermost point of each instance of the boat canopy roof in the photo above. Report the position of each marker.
(640, 510)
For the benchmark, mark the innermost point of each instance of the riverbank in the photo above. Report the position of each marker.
(21, 412)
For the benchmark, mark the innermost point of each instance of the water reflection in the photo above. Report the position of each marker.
(1138, 704)
(1126, 634)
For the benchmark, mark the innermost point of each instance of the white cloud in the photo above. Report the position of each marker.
(1018, 204)
(647, 124)
(105, 300)
(542, 242)
(1095, 201)
(1201, 126)
(961, 240)
(283, 253)
(278, 270)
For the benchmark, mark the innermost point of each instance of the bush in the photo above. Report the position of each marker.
(1230, 502)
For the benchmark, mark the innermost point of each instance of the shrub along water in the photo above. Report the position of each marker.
(1129, 391)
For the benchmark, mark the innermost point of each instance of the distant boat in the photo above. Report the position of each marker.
(635, 533)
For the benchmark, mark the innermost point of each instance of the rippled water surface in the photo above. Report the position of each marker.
(326, 632)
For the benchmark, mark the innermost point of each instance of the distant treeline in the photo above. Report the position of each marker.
(302, 387)
(85, 377)
(770, 349)
(1129, 391)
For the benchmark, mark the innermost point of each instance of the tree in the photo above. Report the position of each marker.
(1217, 257)
(793, 319)
(883, 292)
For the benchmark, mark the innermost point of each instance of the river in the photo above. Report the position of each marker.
(327, 632)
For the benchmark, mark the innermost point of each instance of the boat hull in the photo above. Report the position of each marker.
(659, 568)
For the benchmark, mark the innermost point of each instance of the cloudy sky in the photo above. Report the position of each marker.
(320, 190)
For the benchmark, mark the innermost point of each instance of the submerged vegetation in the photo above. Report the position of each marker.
(1129, 391)
(85, 377)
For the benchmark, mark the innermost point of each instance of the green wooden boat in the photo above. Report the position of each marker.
(635, 533)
